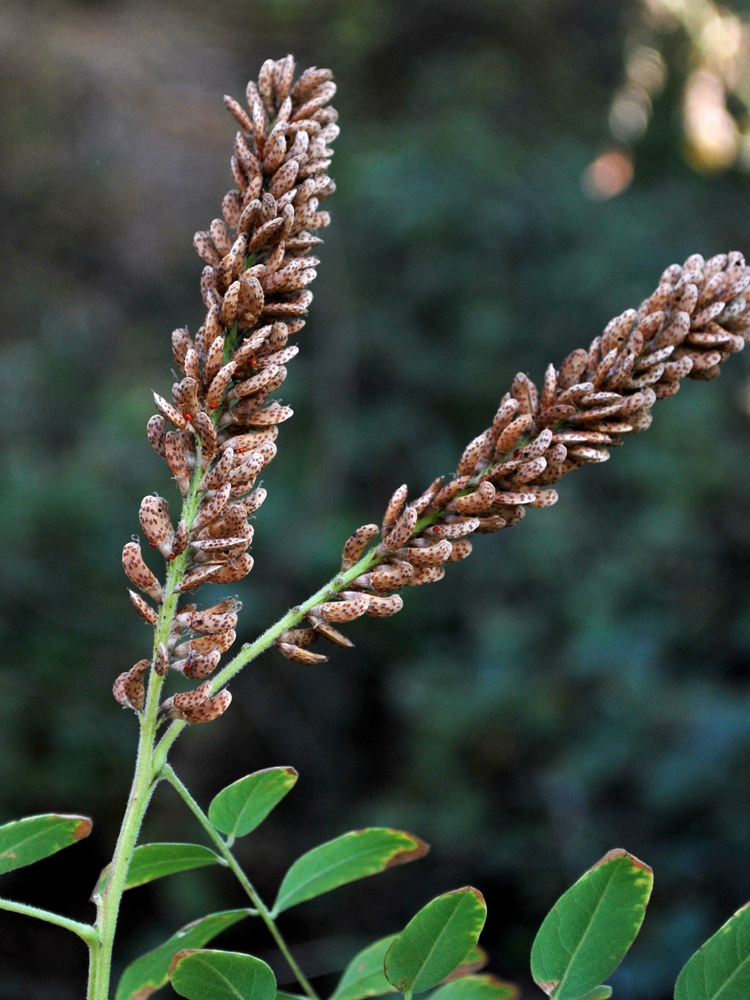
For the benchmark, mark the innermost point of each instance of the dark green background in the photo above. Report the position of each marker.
(581, 682)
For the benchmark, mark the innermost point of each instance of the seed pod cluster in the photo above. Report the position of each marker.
(219, 423)
(696, 318)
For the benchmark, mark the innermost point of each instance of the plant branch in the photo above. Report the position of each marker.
(252, 650)
(169, 775)
(85, 931)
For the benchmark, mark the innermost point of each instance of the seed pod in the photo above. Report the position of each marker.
(391, 577)
(216, 476)
(598, 413)
(446, 494)
(583, 454)
(676, 370)
(129, 688)
(210, 623)
(185, 397)
(430, 555)
(256, 382)
(205, 643)
(460, 549)
(548, 498)
(154, 518)
(427, 574)
(218, 385)
(206, 432)
(538, 446)
(384, 607)
(145, 610)
(268, 232)
(211, 509)
(196, 577)
(510, 437)
(235, 569)
(214, 358)
(572, 368)
(512, 499)
(205, 248)
(581, 437)
(251, 299)
(530, 470)
(454, 529)
(138, 572)
(198, 665)
(155, 432)
(299, 636)
(476, 454)
(250, 442)
(231, 207)
(238, 113)
(549, 388)
(170, 412)
(477, 501)
(230, 306)
(402, 530)
(488, 525)
(424, 501)
(255, 500)
(299, 655)
(353, 606)
(273, 414)
(176, 459)
(210, 709)
(666, 389)
(218, 544)
(395, 505)
(327, 630)
(161, 660)
(357, 544)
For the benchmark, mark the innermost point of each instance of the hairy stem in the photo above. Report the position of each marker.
(144, 779)
(85, 931)
(168, 774)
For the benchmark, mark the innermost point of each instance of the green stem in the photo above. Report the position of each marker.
(145, 777)
(263, 912)
(85, 931)
(267, 639)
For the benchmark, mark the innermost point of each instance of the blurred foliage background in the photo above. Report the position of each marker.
(582, 681)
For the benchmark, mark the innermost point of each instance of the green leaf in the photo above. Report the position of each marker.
(590, 928)
(28, 840)
(281, 995)
(243, 805)
(152, 861)
(720, 969)
(221, 975)
(476, 988)
(364, 976)
(436, 940)
(599, 993)
(151, 971)
(349, 857)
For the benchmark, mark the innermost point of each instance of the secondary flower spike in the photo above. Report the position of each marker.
(218, 430)
(696, 318)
